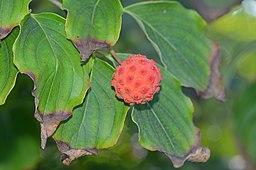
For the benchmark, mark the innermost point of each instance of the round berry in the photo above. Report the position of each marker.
(137, 79)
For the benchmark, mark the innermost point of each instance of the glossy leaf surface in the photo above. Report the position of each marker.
(8, 71)
(11, 14)
(178, 36)
(165, 123)
(93, 24)
(98, 122)
(43, 52)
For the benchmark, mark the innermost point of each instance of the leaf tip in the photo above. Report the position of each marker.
(48, 121)
(88, 46)
(4, 32)
(49, 124)
(69, 154)
(197, 154)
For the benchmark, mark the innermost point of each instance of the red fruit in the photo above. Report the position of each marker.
(137, 80)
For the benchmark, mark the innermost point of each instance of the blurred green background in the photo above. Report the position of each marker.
(227, 128)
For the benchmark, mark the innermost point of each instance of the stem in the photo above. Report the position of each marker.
(57, 3)
(116, 56)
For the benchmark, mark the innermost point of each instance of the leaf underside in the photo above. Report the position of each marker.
(8, 71)
(93, 24)
(178, 36)
(11, 14)
(97, 123)
(60, 82)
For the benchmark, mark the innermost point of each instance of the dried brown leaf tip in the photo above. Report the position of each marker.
(215, 86)
(197, 154)
(49, 124)
(69, 154)
(4, 32)
(88, 46)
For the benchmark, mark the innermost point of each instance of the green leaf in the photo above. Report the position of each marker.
(11, 14)
(165, 124)
(93, 24)
(178, 36)
(245, 120)
(8, 71)
(234, 24)
(97, 123)
(60, 83)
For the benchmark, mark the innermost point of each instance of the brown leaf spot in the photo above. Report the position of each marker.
(215, 86)
(69, 154)
(88, 46)
(4, 32)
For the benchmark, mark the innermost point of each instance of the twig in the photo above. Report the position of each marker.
(57, 3)
(115, 56)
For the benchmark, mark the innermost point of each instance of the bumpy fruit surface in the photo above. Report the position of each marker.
(137, 80)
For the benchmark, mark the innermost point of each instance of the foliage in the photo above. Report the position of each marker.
(71, 60)
(165, 25)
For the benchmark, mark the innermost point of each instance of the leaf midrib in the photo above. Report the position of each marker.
(162, 36)
(92, 18)
(161, 125)
(56, 61)
(139, 19)
(87, 97)
(176, 123)
(107, 94)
